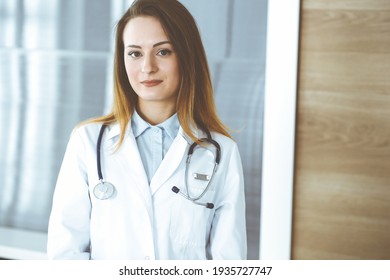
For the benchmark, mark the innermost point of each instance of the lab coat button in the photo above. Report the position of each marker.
(147, 258)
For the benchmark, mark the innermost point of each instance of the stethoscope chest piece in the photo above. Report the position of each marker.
(103, 190)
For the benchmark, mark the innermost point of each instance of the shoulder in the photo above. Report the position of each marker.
(228, 145)
(83, 136)
(223, 140)
(230, 155)
(86, 131)
(89, 132)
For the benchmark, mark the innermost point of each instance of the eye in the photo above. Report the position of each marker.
(134, 54)
(164, 52)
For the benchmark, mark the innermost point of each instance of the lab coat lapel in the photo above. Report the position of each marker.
(175, 155)
(129, 159)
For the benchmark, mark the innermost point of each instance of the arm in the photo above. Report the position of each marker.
(68, 234)
(228, 233)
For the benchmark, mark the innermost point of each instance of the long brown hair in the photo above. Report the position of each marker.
(195, 102)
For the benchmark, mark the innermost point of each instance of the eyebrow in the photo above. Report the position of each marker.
(155, 45)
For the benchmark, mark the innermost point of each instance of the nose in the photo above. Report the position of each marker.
(149, 64)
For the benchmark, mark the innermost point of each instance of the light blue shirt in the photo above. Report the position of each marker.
(153, 140)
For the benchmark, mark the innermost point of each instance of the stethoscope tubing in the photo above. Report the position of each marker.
(208, 183)
(110, 189)
(98, 151)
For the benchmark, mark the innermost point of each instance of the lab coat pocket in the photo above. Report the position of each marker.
(190, 226)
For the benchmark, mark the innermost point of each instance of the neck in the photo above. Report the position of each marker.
(155, 112)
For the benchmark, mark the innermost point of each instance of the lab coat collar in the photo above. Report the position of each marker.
(114, 130)
(128, 162)
(174, 157)
(197, 133)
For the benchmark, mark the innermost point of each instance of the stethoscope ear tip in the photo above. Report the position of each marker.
(209, 205)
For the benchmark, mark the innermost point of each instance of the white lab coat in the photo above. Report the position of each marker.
(143, 221)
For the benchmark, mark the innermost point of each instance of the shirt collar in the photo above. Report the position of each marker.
(170, 126)
(138, 124)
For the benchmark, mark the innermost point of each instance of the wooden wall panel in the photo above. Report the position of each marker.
(342, 175)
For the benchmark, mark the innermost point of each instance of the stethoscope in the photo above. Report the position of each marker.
(105, 190)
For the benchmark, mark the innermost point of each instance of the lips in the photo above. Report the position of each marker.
(151, 83)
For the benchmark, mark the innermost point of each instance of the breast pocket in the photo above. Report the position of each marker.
(200, 172)
(190, 227)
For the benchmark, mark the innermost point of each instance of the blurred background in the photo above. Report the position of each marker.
(56, 70)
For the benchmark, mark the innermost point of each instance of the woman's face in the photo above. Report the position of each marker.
(151, 63)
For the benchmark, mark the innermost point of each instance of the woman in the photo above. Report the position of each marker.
(152, 204)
